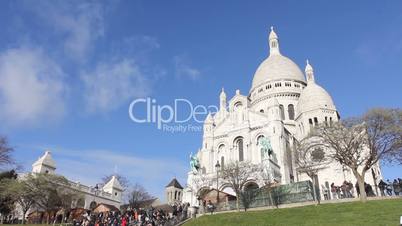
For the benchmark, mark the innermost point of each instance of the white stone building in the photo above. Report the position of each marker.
(110, 193)
(281, 107)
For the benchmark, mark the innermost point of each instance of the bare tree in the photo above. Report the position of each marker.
(50, 192)
(198, 181)
(247, 197)
(237, 174)
(6, 199)
(138, 194)
(345, 142)
(360, 143)
(5, 152)
(21, 192)
(310, 159)
(384, 134)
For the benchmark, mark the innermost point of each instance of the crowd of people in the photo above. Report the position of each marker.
(136, 217)
(343, 191)
(391, 188)
(348, 190)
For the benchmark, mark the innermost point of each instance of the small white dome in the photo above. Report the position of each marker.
(314, 97)
(277, 67)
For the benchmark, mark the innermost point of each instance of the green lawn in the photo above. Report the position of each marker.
(378, 213)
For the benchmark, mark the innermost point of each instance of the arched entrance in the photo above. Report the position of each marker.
(80, 203)
(93, 205)
(202, 192)
(250, 186)
(227, 189)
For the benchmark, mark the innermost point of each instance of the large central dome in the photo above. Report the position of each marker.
(276, 66)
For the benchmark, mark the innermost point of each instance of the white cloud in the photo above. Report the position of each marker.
(78, 24)
(183, 68)
(112, 84)
(32, 89)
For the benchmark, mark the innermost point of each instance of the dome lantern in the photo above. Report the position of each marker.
(273, 42)
(309, 72)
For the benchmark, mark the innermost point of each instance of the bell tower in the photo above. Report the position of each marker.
(174, 192)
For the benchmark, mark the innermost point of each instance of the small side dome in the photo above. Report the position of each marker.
(314, 97)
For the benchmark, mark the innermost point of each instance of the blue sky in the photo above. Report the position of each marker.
(69, 70)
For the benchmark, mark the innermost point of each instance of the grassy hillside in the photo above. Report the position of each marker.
(378, 213)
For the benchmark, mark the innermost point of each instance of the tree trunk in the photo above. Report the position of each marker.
(23, 216)
(315, 190)
(360, 181)
(48, 218)
(238, 202)
(270, 198)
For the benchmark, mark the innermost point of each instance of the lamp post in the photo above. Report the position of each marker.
(96, 190)
(217, 167)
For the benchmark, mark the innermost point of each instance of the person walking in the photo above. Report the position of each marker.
(357, 189)
(382, 185)
(333, 191)
(400, 185)
(397, 188)
(210, 207)
(389, 188)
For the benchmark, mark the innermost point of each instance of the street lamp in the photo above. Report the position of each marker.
(96, 190)
(217, 167)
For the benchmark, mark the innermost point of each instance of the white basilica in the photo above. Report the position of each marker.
(280, 108)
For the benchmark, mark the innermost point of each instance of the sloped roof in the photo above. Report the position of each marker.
(165, 207)
(113, 183)
(103, 207)
(46, 160)
(174, 183)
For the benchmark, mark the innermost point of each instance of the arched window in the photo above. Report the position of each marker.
(262, 110)
(221, 148)
(282, 112)
(92, 205)
(259, 139)
(80, 203)
(291, 111)
(238, 105)
(240, 148)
